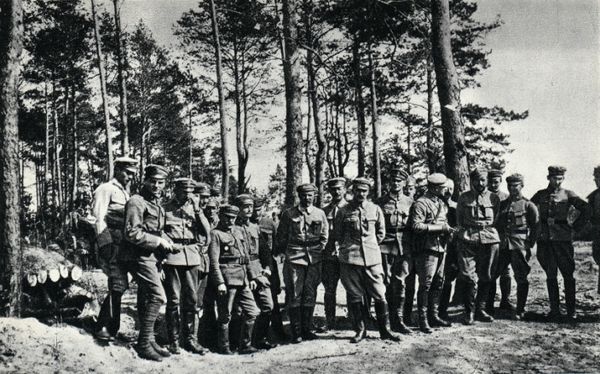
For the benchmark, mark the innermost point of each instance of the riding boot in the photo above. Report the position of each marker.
(295, 324)
(422, 297)
(172, 317)
(570, 299)
(409, 299)
(223, 339)
(469, 300)
(358, 322)
(277, 325)
(505, 286)
(554, 299)
(461, 288)
(483, 292)
(306, 324)
(329, 301)
(398, 310)
(445, 300)
(115, 323)
(261, 331)
(433, 310)
(190, 333)
(491, 299)
(144, 346)
(103, 330)
(381, 311)
(246, 338)
(522, 291)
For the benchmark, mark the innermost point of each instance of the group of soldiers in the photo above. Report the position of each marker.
(194, 255)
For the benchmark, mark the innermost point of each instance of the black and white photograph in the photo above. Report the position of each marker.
(299, 186)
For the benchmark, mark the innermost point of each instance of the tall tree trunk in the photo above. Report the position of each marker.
(100, 63)
(57, 169)
(307, 142)
(431, 156)
(312, 90)
(238, 82)
(293, 119)
(191, 147)
(11, 45)
(375, 125)
(220, 89)
(123, 111)
(455, 152)
(359, 106)
(47, 150)
(75, 145)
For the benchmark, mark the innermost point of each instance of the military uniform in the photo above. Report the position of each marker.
(331, 263)
(186, 270)
(594, 206)
(517, 223)
(359, 228)
(259, 270)
(478, 246)
(228, 266)
(302, 234)
(108, 208)
(431, 232)
(144, 231)
(555, 242)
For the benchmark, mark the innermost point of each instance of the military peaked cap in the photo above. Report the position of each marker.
(202, 189)
(495, 173)
(514, 178)
(229, 210)
(244, 199)
(556, 170)
(437, 179)
(306, 188)
(259, 202)
(155, 171)
(336, 182)
(399, 174)
(478, 172)
(126, 163)
(185, 184)
(361, 182)
(212, 203)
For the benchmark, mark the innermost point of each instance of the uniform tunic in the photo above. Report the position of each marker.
(594, 206)
(331, 263)
(228, 260)
(359, 228)
(302, 234)
(108, 208)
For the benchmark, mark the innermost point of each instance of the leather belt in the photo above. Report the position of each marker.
(312, 243)
(184, 241)
(233, 260)
(518, 231)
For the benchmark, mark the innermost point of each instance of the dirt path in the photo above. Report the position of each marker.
(27, 346)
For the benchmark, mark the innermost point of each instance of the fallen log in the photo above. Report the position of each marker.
(53, 275)
(31, 279)
(76, 273)
(64, 271)
(42, 276)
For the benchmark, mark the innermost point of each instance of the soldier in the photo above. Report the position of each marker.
(144, 225)
(228, 270)
(395, 251)
(431, 233)
(302, 235)
(555, 242)
(594, 205)
(478, 244)
(109, 210)
(410, 187)
(518, 222)
(359, 228)
(259, 269)
(186, 270)
(211, 212)
(331, 264)
(268, 231)
(494, 183)
(202, 190)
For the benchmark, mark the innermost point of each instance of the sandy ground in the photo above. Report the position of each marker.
(28, 346)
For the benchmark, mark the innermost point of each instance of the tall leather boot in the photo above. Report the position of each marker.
(277, 325)
(190, 333)
(445, 300)
(483, 290)
(398, 310)
(172, 317)
(103, 324)
(329, 301)
(522, 291)
(422, 297)
(295, 324)
(505, 287)
(433, 309)
(491, 299)
(570, 299)
(358, 322)
(306, 324)
(554, 299)
(115, 323)
(461, 288)
(409, 299)
(144, 346)
(381, 311)
(469, 300)
(223, 339)
(246, 337)
(391, 302)
(261, 331)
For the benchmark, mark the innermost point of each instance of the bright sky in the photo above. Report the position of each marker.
(546, 59)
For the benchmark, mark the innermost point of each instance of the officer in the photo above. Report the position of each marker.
(268, 230)
(259, 269)
(184, 271)
(302, 235)
(594, 206)
(211, 212)
(555, 242)
(431, 233)
(478, 244)
(331, 264)
(518, 222)
(228, 271)
(202, 190)
(359, 229)
(144, 238)
(396, 259)
(410, 187)
(108, 208)
(494, 183)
